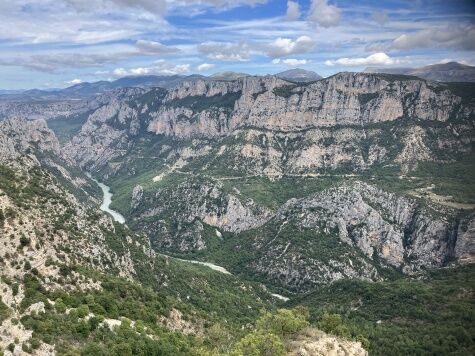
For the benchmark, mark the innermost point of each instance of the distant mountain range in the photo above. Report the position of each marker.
(445, 72)
(299, 75)
(228, 75)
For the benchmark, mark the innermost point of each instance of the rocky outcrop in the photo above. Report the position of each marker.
(313, 342)
(384, 226)
(102, 138)
(343, 99)
(20, 136)
(463, 239)
(137, 195)
(176, 216)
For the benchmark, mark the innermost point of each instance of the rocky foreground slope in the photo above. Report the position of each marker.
(71, 277)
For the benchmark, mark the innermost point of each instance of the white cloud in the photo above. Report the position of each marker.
(374, 59)
(225, 51)
(291, 61)
(159, 67)
(74, 81)
(205, 66)
(152, 47)
(56, 62)
(286, 46)
(155, 6)
(457, 37)
(293, 10)
(324, 14)
(158, 7)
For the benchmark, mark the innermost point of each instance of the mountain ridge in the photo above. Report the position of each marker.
(443, 72)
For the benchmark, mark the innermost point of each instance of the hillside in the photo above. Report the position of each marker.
(72, 277)
(331, 193)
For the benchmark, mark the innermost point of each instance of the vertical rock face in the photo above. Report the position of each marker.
(344, 99)
(348, 122)
(383, 225)
(101, 138)
(17, 136)
(137, 195)
(464, 241)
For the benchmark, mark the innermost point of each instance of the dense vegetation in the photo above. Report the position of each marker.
(430, 316)
(80, 318)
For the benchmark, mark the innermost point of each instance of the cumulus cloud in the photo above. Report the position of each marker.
(74, 81)
(291, 61)
(324, 14)
(285, 46)
(374, 59)
(159, 67)
(152, 47)
(457, 37)
(226, 51)
(205, 66)
(293, 10)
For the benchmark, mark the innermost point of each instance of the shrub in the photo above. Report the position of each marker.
(284, 322)
(259, 344)
(24, 241)
(333, 324)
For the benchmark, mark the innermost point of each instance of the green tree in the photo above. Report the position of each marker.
(333, 324)
(83, 311)
(259, 344)
(220, 337)
(122, 349)
(284, 322)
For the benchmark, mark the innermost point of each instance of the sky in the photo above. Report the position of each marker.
(58, 43)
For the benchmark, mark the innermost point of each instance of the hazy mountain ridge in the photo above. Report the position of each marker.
(299, 75)
(444, 72)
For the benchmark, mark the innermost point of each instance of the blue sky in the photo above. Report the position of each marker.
(56, 43)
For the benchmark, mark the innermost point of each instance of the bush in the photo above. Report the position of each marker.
(15, 288)
(24, 241)
(333, 324)
(83, 311)
(284, 322)
(35, 343)
(259, 344)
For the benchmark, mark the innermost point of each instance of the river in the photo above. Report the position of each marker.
(105, 206)
(106, 202)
